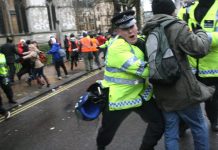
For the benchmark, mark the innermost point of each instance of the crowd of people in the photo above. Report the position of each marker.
(31, 59)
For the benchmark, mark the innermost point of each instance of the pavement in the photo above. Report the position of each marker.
(24, 93)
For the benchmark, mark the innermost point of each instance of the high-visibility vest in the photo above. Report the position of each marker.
(95, 43)
(208, 65)
(126, 75)
(3, 69)
(86, 44)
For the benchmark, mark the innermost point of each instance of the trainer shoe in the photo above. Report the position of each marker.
(7, 114)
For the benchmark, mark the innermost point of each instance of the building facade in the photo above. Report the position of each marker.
(36, 20)
(39, 19)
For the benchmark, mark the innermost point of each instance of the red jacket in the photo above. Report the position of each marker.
(101, 39)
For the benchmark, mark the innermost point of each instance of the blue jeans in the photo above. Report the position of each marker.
(193, 117)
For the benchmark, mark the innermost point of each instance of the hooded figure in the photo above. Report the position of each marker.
(182, 98)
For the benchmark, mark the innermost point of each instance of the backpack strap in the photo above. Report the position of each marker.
(168, 22)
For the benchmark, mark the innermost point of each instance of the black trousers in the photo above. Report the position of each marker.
(211, 105)
(148, 112)
(2, 109)
(58, 64)
(7, 89)
(26, 68)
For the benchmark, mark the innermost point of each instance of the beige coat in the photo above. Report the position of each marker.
(33, 55)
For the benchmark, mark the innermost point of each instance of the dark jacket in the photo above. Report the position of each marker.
(9, 51)
(187, 90)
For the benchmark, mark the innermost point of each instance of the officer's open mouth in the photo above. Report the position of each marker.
(131, 36)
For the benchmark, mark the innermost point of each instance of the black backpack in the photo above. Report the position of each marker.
(164, 67)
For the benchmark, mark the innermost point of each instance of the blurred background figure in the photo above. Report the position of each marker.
(74, 51)
(9, 50)
(5, 81)
(86, 51)
(95, 52)
(101, 39)
(57, 59)
(26, 64)
(67, 46)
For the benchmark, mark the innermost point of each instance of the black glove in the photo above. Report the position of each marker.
(195, 27)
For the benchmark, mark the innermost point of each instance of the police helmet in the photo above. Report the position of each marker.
(90, 104)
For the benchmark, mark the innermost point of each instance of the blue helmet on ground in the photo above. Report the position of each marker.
(91, 103)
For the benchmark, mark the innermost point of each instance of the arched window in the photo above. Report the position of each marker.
(21, 16)
(51, 14)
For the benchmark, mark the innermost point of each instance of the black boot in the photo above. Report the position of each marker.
(12, 102)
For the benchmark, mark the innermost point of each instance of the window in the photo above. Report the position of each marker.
(20, 14)
(51, 14)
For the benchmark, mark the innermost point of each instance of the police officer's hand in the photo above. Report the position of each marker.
(195, 27)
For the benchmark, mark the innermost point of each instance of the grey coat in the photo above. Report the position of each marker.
(187, 90)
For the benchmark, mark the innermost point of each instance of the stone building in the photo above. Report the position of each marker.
(104, 11)
(36, 20)
(39, 19)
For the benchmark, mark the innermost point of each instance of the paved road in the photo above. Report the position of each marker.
(48, 123)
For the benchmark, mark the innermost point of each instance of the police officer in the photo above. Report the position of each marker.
(204, 14)
(9, 50)
(126, 75)
(4, 80)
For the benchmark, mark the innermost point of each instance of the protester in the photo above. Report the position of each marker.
(26, 64)
(182, 98)
(33, 55)
(204, 14)
(74, 51)
(126, 76)
(95, 46)
(85, 45)
(9, 50)
(67, 46)
(57, 59)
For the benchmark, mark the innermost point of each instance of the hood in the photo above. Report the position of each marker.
(154, 21)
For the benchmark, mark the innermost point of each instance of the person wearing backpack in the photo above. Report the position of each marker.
(126, 77)
(205, 15)
(57, 59)
(180, 99)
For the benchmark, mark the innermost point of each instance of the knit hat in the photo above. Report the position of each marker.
(163, 7)
(124, 20)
